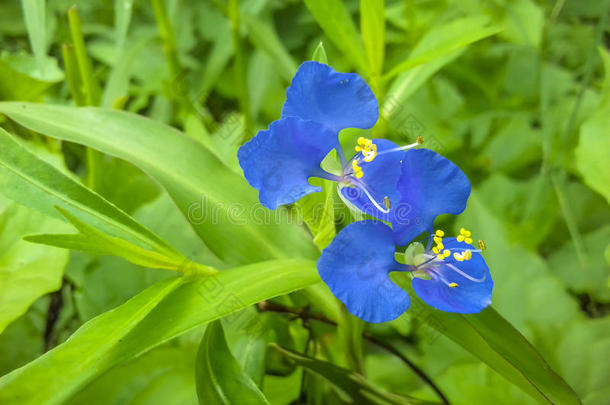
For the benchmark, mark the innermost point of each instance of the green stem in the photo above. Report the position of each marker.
(351, 329)
(72, 75)
(240, 69)
(91, 92)
(90, 87)
(168, 39)
(566, 210)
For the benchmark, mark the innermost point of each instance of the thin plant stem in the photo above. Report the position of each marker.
(306, 315)
(90, 87)
(239, 67)
(72, 75)
(170, 50)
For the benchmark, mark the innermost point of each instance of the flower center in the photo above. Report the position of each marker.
(431, 260)
(367, 148)
(353, 172)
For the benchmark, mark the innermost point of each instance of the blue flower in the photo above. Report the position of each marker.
(320, 102)
(427, 185)
(450, 276)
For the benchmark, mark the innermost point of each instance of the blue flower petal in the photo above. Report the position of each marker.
(279, 161)
(337, 100)
(379, 177)
(356, 267)
(469, 296)
(429, 185)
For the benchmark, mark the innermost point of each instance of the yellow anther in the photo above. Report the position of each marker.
(465, 255)
(357, 169)
(370, 152)
(462, 231)
(446, 253)
(386, 202)
(453, 285)
(482, 244)
(420, 139)
(460, 238)
(468, 240)
(437, 239)
(439, 233)
(435, 249)
(367, 147)
(440, 256)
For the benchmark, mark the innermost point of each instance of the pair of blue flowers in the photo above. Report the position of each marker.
(399, 185)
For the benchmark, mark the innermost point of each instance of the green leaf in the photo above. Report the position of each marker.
(443, 40)
(353, 387)
(16, 85)
(264, 37)
(164, 376)
(594, 143)
(372, 25)
(91, 240)
(222, 208)
(34, 13)
(337, 24)
(122, 17)
(409, 82)
(317, 210)
(27, 271)
(492, 339)
(319, 54)
(220, 379)
(160, 313)
(35, 183)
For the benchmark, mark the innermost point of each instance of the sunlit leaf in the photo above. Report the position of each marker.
(220, 379)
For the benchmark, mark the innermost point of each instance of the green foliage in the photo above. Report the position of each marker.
(137, 265)
(220, 379)
(28, 271)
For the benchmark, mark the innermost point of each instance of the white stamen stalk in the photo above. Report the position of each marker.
(368, 195)
(406, 147)
(461, 273)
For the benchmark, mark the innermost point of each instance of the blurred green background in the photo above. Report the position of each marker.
(516, 93)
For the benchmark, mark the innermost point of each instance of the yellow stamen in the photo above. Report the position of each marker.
(370, 153)
(357, 169)
(439, 233)
(482, 244)
(446, 253)
(468, 240)
(386, 202)
(367, 148)
(460, 238)
(420, 139)
(453, 285)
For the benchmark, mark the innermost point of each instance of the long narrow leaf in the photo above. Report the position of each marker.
(35, 183)
(154, 316)
(222, 208)
(492, 339)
